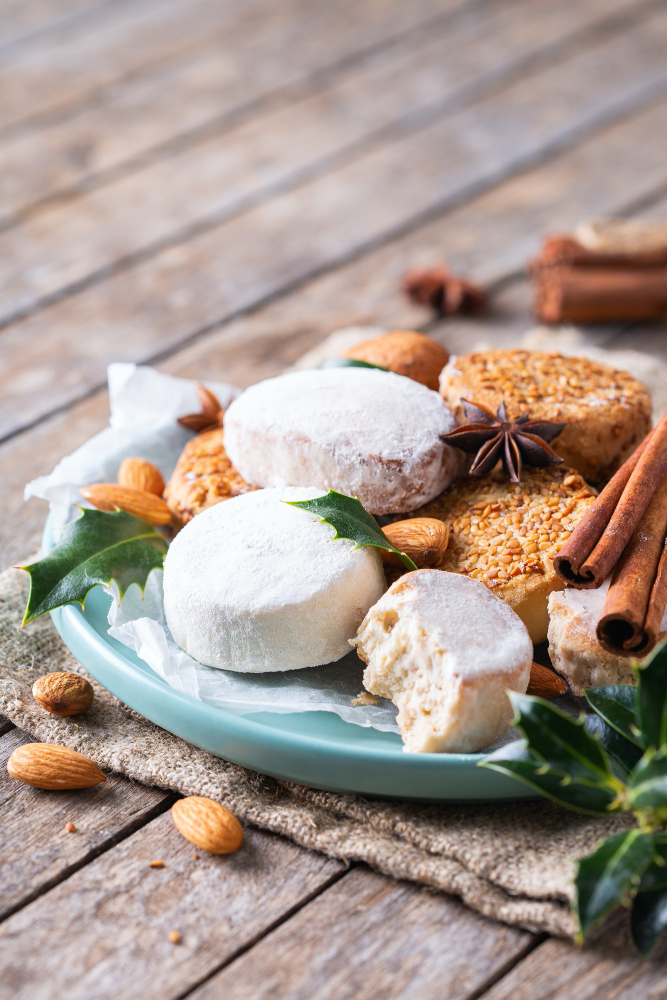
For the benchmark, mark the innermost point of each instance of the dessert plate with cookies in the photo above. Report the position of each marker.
(340, 575)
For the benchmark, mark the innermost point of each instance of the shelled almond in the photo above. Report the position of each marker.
(207, 824)
(63, 693)
(43, 765)
(544, 683)
(405, 352)
(146, 506)
(138, 474)
(424, 539)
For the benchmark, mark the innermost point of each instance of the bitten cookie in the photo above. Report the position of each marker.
(367, 433)
(608, 412)
(506, 534)
(573, 646)
(256, 585)
(446, 651)
(203, 476)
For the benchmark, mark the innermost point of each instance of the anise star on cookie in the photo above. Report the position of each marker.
(517, 443)
(211, 413)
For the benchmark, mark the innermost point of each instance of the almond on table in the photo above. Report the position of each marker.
(63, 693)
(50, 767)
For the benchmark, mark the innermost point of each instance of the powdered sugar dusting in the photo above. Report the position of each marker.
(253, 584)
(368, 433)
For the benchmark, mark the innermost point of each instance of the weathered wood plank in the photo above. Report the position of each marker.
(75, 64)
(368, 937)
(448, 60)
(20, 19)
(144, 117)
(67, 246)
(607, 967)
(178, 294)
(36, 852)
(104, 932)
(5, 725)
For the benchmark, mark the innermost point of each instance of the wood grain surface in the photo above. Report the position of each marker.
(214, 186)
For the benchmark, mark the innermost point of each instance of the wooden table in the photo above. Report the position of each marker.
(212, 186)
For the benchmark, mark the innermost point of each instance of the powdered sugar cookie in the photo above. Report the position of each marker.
(445, 650)
(367, 433)
(255, 585)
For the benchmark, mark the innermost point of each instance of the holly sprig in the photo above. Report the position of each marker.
(613, 760)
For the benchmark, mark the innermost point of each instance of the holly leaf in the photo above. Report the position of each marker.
(610, 876)
(350, 520)
(655, 876)
(594, 799)
(561, 741)
(651, 710)
(96, 548)
(625, 754)
(616, 705)
(349, 363)
(649, 919)
(648, 782)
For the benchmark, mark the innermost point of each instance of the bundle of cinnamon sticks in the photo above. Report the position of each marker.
(574, 283)
(624, 533)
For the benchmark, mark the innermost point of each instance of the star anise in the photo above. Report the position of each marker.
(211, 413)
(443, 291)
(514, 442)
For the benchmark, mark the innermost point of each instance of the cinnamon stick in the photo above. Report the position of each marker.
(632, 612)
(565, 294)
(593, 548)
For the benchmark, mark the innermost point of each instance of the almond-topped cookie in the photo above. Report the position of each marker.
(506, 534)
(607, 411)
(203, 476)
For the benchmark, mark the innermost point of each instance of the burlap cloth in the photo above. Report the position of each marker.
(510, 862)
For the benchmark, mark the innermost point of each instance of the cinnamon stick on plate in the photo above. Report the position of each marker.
(596, 544)
(630, 621)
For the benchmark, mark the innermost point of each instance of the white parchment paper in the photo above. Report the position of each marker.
(144, 407)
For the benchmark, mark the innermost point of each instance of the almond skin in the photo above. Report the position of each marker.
(424, 539)
(57, 768)
(404, 352)
(139, 474)
(63, 693)
(146, 506)
(207, 824)
(544, 683)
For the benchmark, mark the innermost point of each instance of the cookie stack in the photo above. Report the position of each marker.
(508, 453)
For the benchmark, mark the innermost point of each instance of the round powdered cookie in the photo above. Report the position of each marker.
(367, 433)
(506, 534)
(573, 645)
(607, 412)
(203, 476)
(255, 585)
(446, 651)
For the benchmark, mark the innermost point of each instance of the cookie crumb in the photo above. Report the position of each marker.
(156, 864)
(69, 827)
(174, 937)
(364, 698)
(195, 856)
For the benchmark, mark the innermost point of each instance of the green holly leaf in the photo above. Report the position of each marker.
(561, 741)
(96, 548)
(596, 799)
(648, 782)
(623, 753)
(651, 711)
(350, 520)
(655, 876)
(349, 363)
(610, 876)
(649, 919)
(616, 705)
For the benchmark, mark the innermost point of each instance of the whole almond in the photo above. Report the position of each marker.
(544, 683)
(404, 352)
(424, 539)
(146, 506)
(139, 474)
(63, 693)
(45, 766)
(207, 824)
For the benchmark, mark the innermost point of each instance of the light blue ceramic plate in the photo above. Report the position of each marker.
(311, 748)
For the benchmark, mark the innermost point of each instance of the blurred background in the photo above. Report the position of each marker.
(214, 186)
